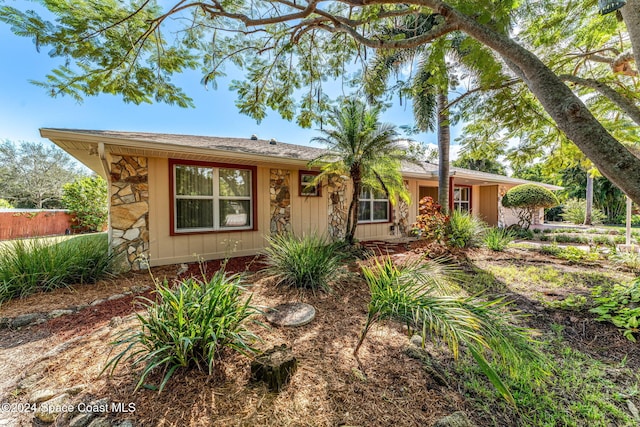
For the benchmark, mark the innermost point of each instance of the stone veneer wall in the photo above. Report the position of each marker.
(337, 211)
(502, 190)
(280, 196)
(403, 214)
(129, 213)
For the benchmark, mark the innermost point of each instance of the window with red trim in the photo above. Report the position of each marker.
(212, 197)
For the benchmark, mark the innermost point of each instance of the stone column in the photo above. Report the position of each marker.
(280, 196)
(130, 212)
(403, 214)
(337, 211)
(502, 190)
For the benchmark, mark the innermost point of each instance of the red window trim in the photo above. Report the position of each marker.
(470, 187)
(307, 172)
(254, 195)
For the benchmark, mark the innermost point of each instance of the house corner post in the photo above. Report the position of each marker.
(129, 219)
(337, 207)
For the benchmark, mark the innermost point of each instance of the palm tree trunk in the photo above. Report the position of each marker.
(444, 142)
(589, 195)
(352, 220)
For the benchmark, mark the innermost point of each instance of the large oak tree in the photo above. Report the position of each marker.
(287, 45)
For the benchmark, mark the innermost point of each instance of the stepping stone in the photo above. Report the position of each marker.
(291, 314)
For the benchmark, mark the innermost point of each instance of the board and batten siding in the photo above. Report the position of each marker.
(166, 249)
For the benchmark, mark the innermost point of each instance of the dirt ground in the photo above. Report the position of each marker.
(383, 387)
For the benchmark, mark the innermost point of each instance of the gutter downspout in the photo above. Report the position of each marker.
(105, 166)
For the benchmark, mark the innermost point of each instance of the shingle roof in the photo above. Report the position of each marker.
(262, 147)
(243, 145)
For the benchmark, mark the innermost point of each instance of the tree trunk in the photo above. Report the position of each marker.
(589, 208)
(444, 143)
(613, 160)
(352, 223)
(631, 17)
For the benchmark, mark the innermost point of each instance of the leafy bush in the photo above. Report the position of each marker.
(5, 204)
(497, 239)
(620, 306)
(526, 200)
(29, 266)
(520, 233)
(431, 223)
(188, 327)
(465, 230)
(635, 220)
(417, 295)
(87, 199)
(567, 238)
(628, 259)
(574, 210)
(310, 262)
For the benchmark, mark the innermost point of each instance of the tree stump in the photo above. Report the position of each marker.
(274, 367)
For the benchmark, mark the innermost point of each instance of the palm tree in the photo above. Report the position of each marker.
(367, 151)
(429, 87)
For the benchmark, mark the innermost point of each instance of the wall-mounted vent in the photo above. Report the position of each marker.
(254, 137)
(273, 141)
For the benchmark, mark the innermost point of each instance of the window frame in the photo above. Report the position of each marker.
(301, 186)
(372, 200)
(253, 198)
(460, 202)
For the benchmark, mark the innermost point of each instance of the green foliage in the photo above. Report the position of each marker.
(416, 294)
(360, 147)
(188, 326)
(32, 174)
(431, 223)
(87, 199)
(497, 239)
(526, 199)
(570, 253)
(574, 210)
(5, 204)
(29, 266)
(307, 262)
(629, 259)
(465, 230)
(572, 302)
(520, 232)
(620, 305)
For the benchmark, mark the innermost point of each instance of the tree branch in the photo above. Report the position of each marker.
(623, 103)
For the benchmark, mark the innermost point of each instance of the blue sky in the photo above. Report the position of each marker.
(24, 107)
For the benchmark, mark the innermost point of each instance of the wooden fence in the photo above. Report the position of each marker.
(19, 223)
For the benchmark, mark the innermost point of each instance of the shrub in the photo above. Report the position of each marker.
(5, 204)
(628, 259)
(497, 239)
(188, 327)
(416, 294)
(431, 223)
(526, 200)
(28, 266)
(465, 230)
(310, 262)
(635, 220)
(574, 210)
(620, 306)
(520, 233)
(87, 199)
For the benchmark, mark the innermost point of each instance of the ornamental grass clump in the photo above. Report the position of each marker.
(419, 295)
(308, 262)
(465, 230)
(40, 265)
(497, 239)
(188, 326)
